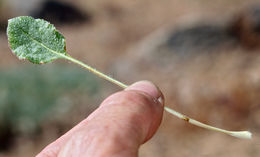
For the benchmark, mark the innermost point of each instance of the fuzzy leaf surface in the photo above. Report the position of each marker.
(35, 39)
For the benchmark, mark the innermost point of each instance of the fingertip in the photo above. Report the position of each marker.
(148, 88)
(154, 92)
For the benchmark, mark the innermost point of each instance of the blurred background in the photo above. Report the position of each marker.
(204, 55)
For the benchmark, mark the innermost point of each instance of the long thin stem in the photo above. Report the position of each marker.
(238, 134)
(96, 72)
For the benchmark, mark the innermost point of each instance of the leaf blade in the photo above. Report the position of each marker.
(35, 39)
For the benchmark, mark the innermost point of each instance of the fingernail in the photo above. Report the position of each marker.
(149, 88)
(161, 99)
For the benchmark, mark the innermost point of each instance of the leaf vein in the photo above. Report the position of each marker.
(46, 47)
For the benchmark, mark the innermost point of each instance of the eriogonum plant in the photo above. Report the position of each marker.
(38, 41)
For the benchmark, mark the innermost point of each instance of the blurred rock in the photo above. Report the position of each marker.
(55, 11)
(60, 13)
(22, 7)
(4, 14)
(3, 26)
(203, 69)
(246, 27)
(202, 37)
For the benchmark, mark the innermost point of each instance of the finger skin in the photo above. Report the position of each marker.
(118, 127)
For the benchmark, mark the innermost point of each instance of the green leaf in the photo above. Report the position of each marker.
(39, 42)
(35, 39)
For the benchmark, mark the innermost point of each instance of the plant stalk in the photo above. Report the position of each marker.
(238, 134)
